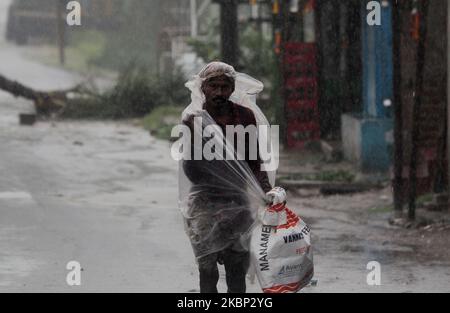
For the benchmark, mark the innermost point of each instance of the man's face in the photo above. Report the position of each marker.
(218, 90)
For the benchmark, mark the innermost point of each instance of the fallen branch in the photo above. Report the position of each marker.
(45, 102)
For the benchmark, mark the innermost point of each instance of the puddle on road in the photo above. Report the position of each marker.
(15, 195)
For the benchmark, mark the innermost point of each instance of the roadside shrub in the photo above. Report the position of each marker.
(135, 94)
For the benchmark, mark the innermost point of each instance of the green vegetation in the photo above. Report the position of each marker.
(129, 46)
(127, 34)
(139, 23)
(382, 209)
(421, 200)
(208, 48)
(340, 175)
(81, 52)
(326, 176)
(135, 94)
(161, 121)
(88, 45)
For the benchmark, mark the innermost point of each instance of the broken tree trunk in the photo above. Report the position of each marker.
(46, 103)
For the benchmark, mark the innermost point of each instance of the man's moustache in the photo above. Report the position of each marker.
(219, 99)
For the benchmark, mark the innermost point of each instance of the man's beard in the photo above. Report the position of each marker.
(219, 101)
(221, 105)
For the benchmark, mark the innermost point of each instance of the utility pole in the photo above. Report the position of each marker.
(398, 112)
(229, 31)
(60, 24)
(194, 22)
(448, 99)
(416, 108)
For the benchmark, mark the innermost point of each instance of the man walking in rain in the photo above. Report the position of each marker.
(219, 197)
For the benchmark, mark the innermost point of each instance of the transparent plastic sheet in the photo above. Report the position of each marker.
(220, 198)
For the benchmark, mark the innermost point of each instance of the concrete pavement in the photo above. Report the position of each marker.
(102, 194)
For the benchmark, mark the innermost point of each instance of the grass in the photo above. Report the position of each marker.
(83, 49)
(89, 45)
(421, 200)
(340, 175)
(326, 176)
(161, 121)
(135, 95)
(382, 209)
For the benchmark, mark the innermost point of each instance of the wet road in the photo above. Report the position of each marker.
(102, 194)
